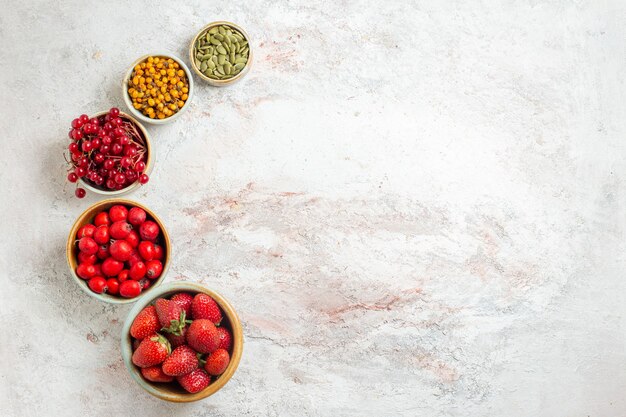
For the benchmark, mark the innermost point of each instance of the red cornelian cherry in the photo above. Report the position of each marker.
(97, 284)
(130, 289)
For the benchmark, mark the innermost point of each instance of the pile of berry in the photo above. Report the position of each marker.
(120, 252)
(181, 338)
(108, 152)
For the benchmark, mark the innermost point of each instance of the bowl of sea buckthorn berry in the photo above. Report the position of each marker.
(158, 88)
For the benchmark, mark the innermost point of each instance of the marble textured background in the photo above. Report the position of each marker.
(416, 207)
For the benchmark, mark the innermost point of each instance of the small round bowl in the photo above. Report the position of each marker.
(149, 162)
(220, 83)
(140, 115)
(172, 391)
(72, 251)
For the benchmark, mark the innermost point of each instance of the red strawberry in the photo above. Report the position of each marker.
(151, 351)
(155, 374)
(202, 336)
(183, 299)
(204, 307)
(194, 381)
(171, 316)
(175, 340)
(145, 324)
(182, 361)
(217, 363)
(226, 340)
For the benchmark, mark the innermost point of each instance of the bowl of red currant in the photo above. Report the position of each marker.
(117, 250)
(109, 154)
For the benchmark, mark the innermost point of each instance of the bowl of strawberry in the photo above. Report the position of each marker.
(108, 154)
(182, 342)
(117, 250)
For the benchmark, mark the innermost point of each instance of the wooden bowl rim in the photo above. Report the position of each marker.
(72, 261)
(164, 290)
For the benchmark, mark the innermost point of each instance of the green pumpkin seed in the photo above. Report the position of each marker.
(239, 66)
(241, 60)
(214, 59)
(215, 42)
(197, 62)
(213, 30)
(222, 30)
(227, 68)
(221, 50)
(219, 37)
(210, 64)
(203, 66)
(220, 69)
(235, 71)
(221, 59)
(232, 57)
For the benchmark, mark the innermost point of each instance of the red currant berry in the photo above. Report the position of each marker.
(110, 184)
(84, 118)
(94, 121)
(106, 140)
(143, 178)
(98, 158)
(72, 177)
(99, 180)
(73, 147)
(114, 111)
(89, 129)
(124, 140)
(76, 134)
(118, 131)
(104, 149)
(125, 161)
(83, 161)
(77, 123)
(140, 167)
(95, 143)
(80, 192)
(130, 150)
(117, 121)
(116, 148)
(131, 176)
(86, 146)
(120, 178)
(108, 127)
(109, 164)
(81, 171)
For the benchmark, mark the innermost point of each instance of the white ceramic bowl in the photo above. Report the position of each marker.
(140, 115)
(149, 162)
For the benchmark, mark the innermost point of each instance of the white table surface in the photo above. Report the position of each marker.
(417, 208)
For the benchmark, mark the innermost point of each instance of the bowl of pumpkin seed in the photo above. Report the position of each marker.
(220, 53)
